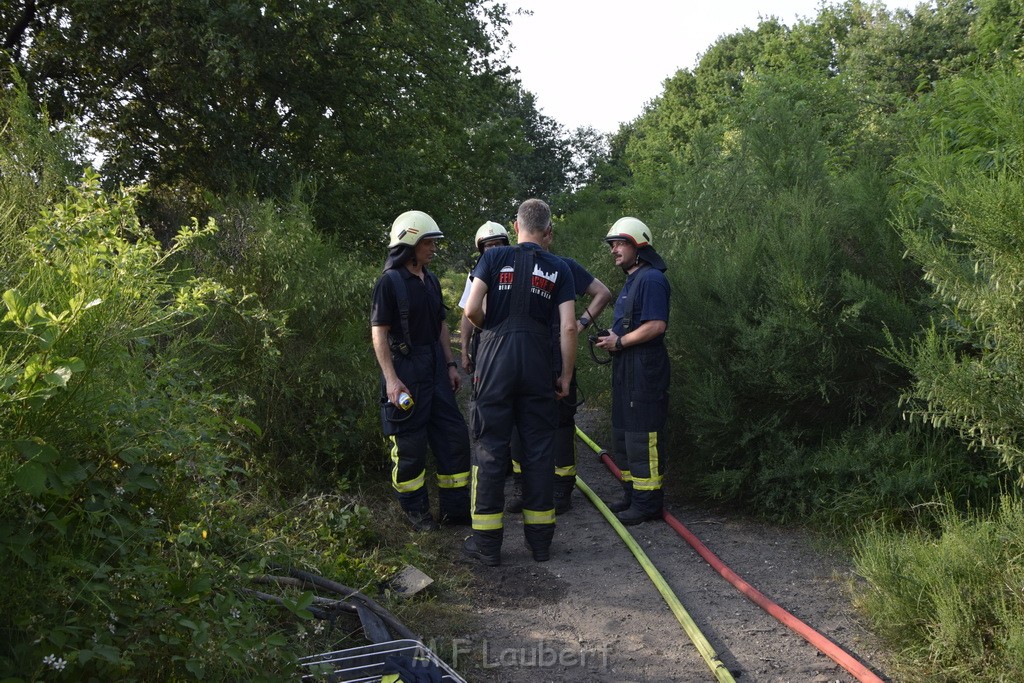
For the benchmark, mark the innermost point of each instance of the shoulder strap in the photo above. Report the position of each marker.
(402, 297)
(627, 309)
(520, 303)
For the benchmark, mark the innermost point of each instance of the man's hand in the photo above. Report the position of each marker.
(607, 342)
(394, 388)
(562, 386)
(453, 378)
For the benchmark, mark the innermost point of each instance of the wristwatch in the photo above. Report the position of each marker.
(452, 364)
(585, 321)
(618, 343)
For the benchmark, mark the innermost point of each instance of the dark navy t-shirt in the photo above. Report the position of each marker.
(551, 285)
(426, 309)
(651, 302)
(581, 277)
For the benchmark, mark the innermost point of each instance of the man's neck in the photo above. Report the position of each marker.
(415, 268)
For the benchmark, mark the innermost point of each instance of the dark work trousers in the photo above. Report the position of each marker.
(515, 387)
(434, 420)
(564, 444)
(640, 380)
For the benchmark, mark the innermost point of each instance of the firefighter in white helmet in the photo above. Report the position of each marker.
(488, 235)
(640, 371)
(419, 377)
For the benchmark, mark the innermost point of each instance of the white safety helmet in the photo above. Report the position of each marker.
(632, 230)
(488, 232)
(411, 227)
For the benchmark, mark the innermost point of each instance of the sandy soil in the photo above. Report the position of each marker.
(591, 614)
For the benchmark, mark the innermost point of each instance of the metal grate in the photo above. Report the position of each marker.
(366, 663)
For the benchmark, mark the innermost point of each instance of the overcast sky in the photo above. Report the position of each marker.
(597, 62)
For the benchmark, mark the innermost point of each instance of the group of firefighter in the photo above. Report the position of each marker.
(519, 334)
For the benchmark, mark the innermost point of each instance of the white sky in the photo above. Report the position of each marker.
(597, 62)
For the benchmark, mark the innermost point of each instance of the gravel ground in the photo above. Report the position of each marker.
(591, 614)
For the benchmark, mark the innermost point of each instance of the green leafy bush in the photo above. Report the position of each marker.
(128, 519)
(785, 277)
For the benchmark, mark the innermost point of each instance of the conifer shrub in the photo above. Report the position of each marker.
(962, 220)
(787, 285)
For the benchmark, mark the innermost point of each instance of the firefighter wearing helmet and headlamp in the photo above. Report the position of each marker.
(419, 378)
(640, 371)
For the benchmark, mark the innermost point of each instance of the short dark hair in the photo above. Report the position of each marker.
(534, 216)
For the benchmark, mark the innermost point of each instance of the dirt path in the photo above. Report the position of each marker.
(591, 614)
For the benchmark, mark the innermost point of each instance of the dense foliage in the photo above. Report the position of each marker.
(180, 407)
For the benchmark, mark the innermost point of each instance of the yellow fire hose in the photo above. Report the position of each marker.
(703, 646)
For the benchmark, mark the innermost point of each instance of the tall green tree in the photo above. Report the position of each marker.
(381, 105)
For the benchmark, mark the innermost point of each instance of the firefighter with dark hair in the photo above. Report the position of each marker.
(419, 378)
(522, 289)
(640, 371)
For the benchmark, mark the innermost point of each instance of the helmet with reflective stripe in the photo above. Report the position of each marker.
(631, 230)
(489, 232)
(411, 227)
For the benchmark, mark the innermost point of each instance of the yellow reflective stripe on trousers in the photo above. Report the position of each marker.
(569, 471)
(626, 476)
(653, 482)
(487, 522)
(539, 516)
(403, 486)
(452, 481)
(516, 467)
(490, 522)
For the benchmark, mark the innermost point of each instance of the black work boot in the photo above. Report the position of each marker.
(647, 505)
(488, 556)
(453, 505)
(623, 503)
(634, 516)
(455, 519)
(421, 520)
(539, 555)
(515, 501)
(563, 494)
(538, 539)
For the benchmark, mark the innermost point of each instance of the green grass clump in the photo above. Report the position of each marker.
(952, 602)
